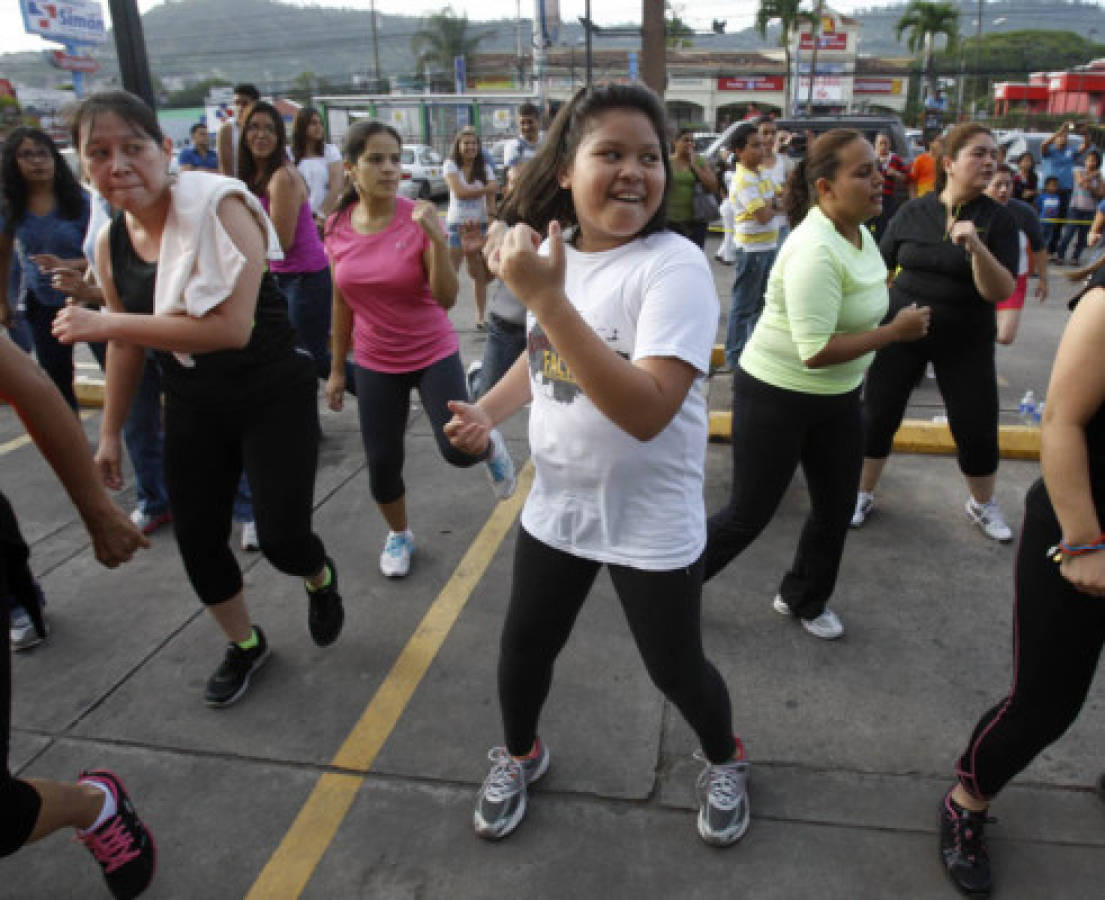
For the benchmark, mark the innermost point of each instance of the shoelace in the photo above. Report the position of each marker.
(722, 783)
(505, 776)
(112, 847)
(395, 545)
(969, 834)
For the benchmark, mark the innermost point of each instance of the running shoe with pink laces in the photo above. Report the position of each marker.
(122, 845)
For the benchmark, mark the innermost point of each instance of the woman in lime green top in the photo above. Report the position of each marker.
(686, 169)
(796, 391)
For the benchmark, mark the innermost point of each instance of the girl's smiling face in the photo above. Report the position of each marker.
(617, 179)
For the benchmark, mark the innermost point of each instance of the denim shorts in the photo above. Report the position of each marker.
(452, 232)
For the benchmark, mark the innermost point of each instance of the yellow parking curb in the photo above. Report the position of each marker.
(89, 391)
(920, 436)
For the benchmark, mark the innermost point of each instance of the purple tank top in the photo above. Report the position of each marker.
(306, 253)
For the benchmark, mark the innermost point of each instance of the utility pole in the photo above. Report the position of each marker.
(518, 43)
(588, 55)
(815, 29)
(653, 45)
(130, 47)
(375, 46)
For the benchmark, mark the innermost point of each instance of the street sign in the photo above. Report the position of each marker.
(68, 22)
(459, 77)
(59, 59)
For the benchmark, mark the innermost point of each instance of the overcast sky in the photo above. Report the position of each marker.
(738, 13)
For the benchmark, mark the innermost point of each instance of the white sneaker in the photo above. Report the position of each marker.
(987, 516)
(21, 630)
(826, 626)
(249, 537)
(395, 561)
(472, 376)
(865, 502)
(500, 467)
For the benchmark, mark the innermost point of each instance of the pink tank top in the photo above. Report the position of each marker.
(306, 253)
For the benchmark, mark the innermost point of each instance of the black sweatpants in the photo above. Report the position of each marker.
(1057, 638)
(19, 802)
(383, 404)
(968, 383)
(775, 431)
(547, 593)
(272, 435)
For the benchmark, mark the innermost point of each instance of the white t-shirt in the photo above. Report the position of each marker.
(473, 209)
(600, 493)
(519, 150)
(316, 172)
(779, 174)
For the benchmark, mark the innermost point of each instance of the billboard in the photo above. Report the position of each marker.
(751, 83)
(68, 21)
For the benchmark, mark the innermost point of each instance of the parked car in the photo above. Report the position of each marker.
(1017, 142)
(869, 126)
(422, 176)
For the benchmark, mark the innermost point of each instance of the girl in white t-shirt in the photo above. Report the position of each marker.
(318, 162)
(472, 192)
(622, 317)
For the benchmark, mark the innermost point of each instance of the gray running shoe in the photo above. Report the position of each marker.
(501, 802)
(723, 811)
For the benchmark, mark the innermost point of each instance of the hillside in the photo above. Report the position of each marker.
(270, 43)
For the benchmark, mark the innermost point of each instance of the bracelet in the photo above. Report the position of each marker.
(1063, 549)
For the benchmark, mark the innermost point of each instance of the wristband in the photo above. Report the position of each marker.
(1063, 549)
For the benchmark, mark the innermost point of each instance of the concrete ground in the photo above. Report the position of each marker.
(351, 771)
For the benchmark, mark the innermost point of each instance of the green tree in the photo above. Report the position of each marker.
(925, 22)
(790, 16)
(677, 33)
(443, 37)
(306, 84)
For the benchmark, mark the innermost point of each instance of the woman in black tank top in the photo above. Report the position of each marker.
(235, 387)
(1059, 616)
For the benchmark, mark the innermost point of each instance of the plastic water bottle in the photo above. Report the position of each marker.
(1027, 409)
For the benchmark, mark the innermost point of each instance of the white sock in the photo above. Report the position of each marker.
(109, 808)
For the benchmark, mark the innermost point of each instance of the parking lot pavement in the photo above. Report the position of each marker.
(851, 742)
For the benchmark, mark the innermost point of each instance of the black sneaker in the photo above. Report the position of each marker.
(501, 801)
(325, 614)
(231, 678)
(123, 845)
(963, 847)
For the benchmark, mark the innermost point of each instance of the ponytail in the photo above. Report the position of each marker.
(796, 195)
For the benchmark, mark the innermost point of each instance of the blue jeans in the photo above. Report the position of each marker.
(310, 297)
(145, 442)
(505, 341)
(20, 332)
(1077, 233)
(55, 358)
(749, 285)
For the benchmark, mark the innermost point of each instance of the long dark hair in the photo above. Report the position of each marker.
(356, 139)
(300, 125)
(479, 164)
(821, 161)
(538, 198)
(257, 173)
(68, 193)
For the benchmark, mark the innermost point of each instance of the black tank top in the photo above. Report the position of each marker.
(271, 342)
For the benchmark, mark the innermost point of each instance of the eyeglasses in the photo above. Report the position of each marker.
(30, 155)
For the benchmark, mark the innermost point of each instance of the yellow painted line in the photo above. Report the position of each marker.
(921, 436)
(717, 356)
(24, 439)
(290, 867)
(89, 391)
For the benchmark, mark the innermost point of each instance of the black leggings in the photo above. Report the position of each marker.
(775, 431)
(1057, 638)
(383, 402)
(274, 438)
(662, 608)
(19, 802)
(968, 383)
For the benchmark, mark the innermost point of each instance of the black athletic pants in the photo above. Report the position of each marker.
(19, 802)
(1057, 638)
(547, 593)
(775, 431)
(271, 434)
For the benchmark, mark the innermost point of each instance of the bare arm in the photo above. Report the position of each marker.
(286, 195)
(440, 273)
(910, 324)
(341, 332)
(58, 435)
(334, 186)
(465, 193)
(226, 326)
(993, 281)
(470, 428)
(224, 149)
(704, 174)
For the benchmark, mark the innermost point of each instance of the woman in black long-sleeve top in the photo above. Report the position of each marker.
(956, 251)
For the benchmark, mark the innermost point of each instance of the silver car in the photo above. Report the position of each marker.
(422, 178)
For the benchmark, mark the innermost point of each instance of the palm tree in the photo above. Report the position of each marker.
(790, 15)
(443, 37)
(925, 21)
